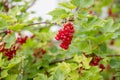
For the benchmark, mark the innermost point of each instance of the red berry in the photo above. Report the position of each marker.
(10, 53)
(65, 35)
(102, 67)
(64, 46)
(95, 61)
(21, 40)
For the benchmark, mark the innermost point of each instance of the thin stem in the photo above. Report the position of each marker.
(61, 60)
(31, 4)
(113, 55)
(41, 23)
(38, 23)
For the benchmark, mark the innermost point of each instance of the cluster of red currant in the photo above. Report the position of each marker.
(65, 35)
(11, 52)
(95, 62)
(21, 40)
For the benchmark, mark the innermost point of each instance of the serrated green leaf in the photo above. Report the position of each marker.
(4, 74)
(14, 62)
(86, 62)
(82, 3)
(67, 5)
(108, 26)
(58, 13)
(58, 75)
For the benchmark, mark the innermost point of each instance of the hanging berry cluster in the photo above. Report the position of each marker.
(11, 52)
(95, 62)
(65, 35)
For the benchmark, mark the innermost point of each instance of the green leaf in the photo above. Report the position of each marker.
(17, 0)
(17, 27)
(1, 61)
(58, 13)
(107, 25)
(14, 62)
(84, 46)
(10, 40)
(41, 77)
(67, 5)
(82, 3)
(92, 23)
(86, 62)
(4, 74)
(58, 75)
(11, 77)
(91, 74)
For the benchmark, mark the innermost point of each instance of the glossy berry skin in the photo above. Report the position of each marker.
(102, 67)
(10, 53)
(95, 61)
(65, 35)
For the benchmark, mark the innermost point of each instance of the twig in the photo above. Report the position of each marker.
(61, 60)
(113, 55)
(41, 23)
(38, 23)
(31, 4)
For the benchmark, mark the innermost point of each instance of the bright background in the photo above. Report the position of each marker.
(42, 7)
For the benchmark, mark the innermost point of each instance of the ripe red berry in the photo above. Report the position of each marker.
(21, 40)
(102, 67)
(10, 53)
(95, 61)
(65, 35)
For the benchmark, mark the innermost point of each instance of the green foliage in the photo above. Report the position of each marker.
(82, 3)
(58, 13)
(41, 58)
